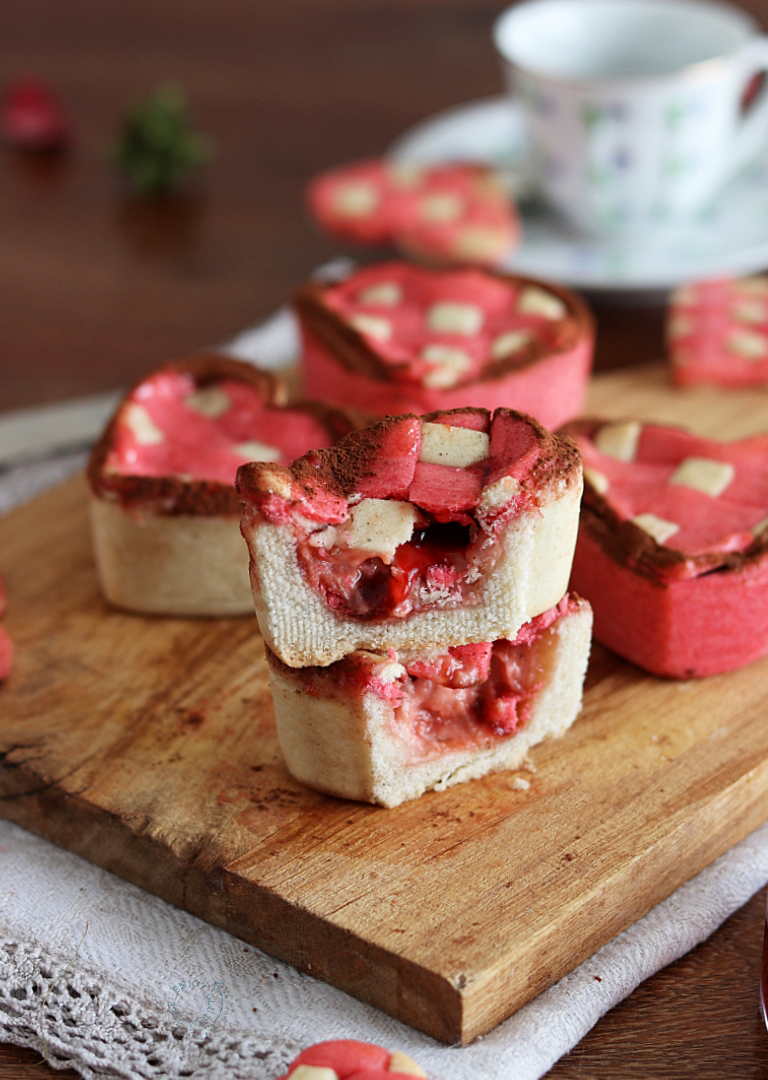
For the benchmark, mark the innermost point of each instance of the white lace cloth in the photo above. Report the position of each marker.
(102, 977)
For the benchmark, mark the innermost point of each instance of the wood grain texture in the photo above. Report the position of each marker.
(148, 746)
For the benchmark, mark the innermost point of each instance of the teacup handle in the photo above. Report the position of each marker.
(753, 129)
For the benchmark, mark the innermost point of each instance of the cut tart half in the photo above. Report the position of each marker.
(395, 338)
(673, 545)
(416, 532)
(717, 332)
(385, 728)
(165, 515)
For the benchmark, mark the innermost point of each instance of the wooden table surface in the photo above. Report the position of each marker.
(97, 288)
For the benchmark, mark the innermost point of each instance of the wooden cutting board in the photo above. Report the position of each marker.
(148, 746)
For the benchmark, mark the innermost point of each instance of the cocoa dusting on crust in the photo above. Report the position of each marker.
(340, 469)
(207, 368)
(353, 671)
(172, 496)
(353, 351)
(346, 343)
(336, 469)
(439, 415)
(628, 545)
(564, 460)
(336, 420)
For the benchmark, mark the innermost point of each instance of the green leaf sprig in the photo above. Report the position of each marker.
(157, 148)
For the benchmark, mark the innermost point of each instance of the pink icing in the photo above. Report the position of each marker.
(199, 447)
(707, 523)
(421, 289)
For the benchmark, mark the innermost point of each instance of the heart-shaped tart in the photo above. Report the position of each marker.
(385, 728)
(349, 1059)
(416, 532)
(456, 213)
(395, 338)
(717, 332)
(673, 545)
(165, 514)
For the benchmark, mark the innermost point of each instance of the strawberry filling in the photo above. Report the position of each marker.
(465, 696)
(432, 563)
(471, 693)
(411, 520)
(170, 426)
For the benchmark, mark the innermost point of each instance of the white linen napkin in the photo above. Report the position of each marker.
(101, 976)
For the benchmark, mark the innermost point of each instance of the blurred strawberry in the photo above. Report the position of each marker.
(31, 118)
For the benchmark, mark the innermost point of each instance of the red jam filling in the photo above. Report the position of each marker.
(170, 436)
(473, 694)
(448, 538)
(400, 328)
(433, 561)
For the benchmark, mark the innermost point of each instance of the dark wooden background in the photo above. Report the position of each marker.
(96, 288)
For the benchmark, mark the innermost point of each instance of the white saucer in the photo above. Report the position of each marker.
(729, 238)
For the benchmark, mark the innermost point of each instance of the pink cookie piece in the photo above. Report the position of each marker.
(349, 1059)
(456, 213)
(449, 528)
(717, 332)
(395, 337)
(385, 728)
(673, 546)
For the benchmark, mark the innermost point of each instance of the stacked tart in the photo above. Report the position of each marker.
(410, 584)
(717, 332)
(394, 338)
(673, 546)
(455, 213)
(164, 511)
